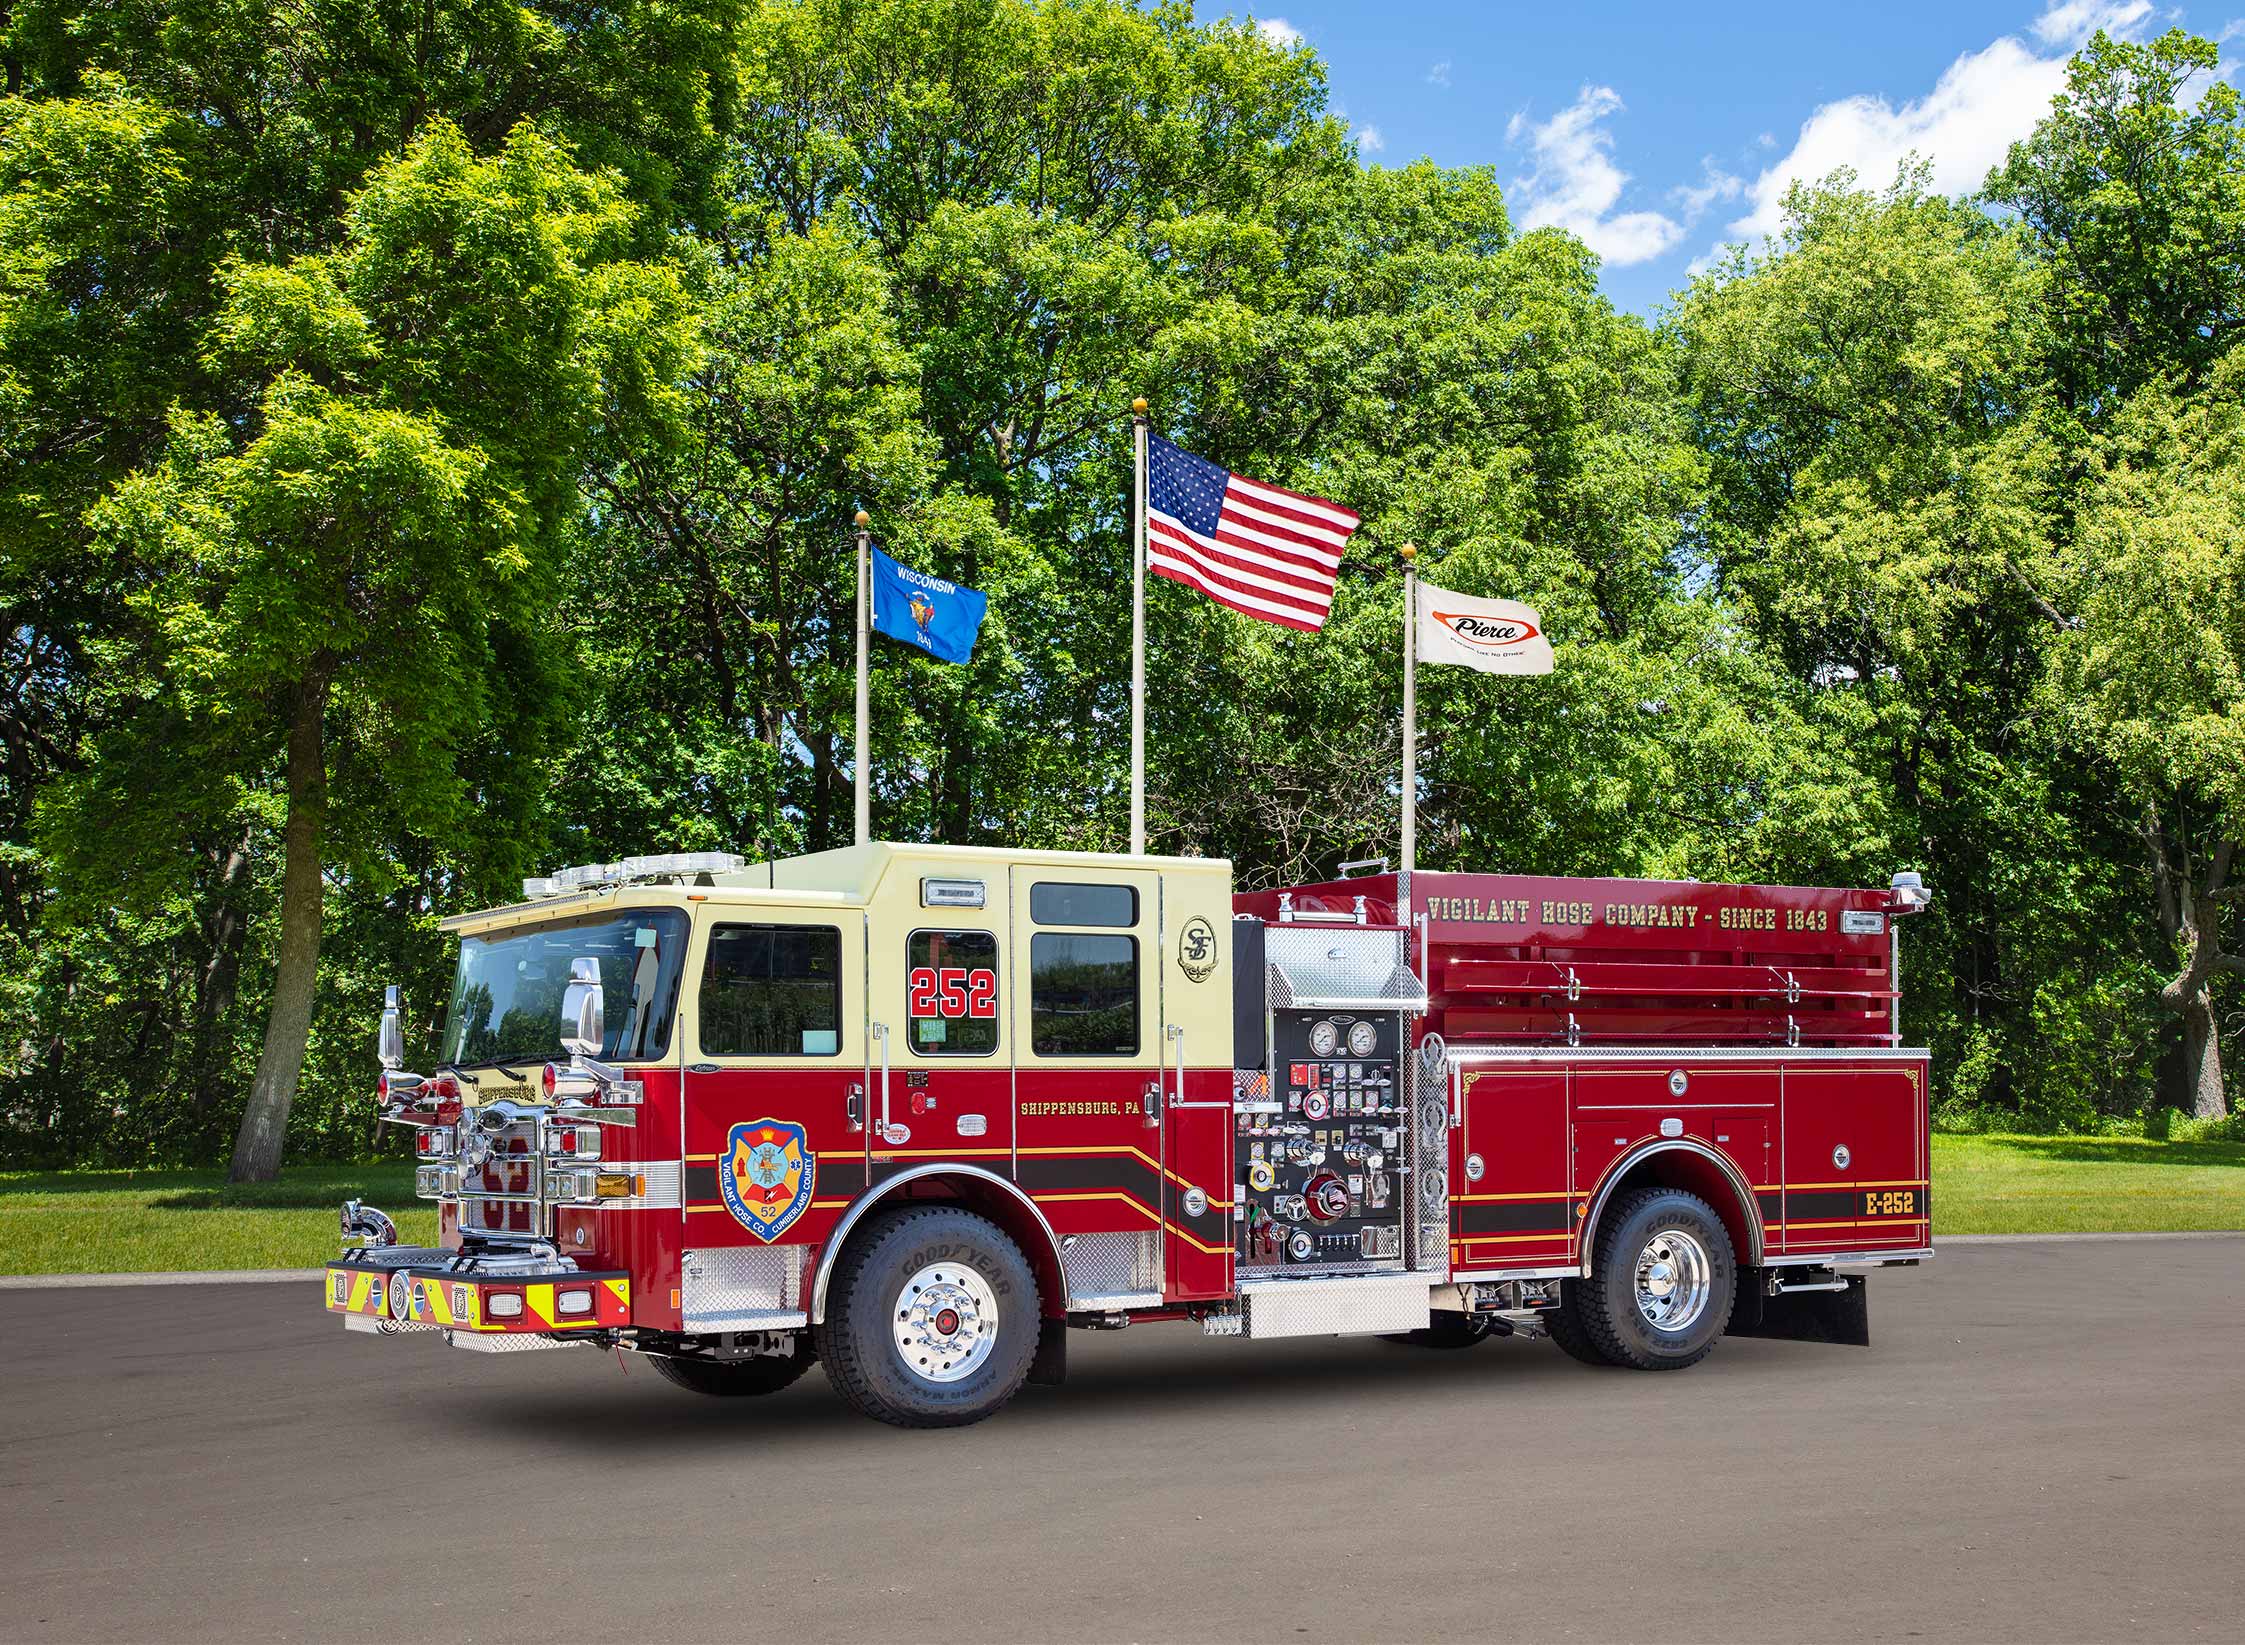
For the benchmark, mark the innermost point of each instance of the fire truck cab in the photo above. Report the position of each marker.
(917, 1110)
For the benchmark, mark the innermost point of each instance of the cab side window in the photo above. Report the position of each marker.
(1083, 985)
(772, 991)
(951, 979)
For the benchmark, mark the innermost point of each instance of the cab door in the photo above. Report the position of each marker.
(1510, 1171)
(775, 1100)
(1088, 1030)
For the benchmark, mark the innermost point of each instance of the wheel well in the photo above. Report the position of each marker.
(973, 1189)
(1694, 1170)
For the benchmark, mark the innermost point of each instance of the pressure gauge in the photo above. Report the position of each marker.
(1325, 1039)
(1364, 1039)
(1314, 1106)
(1260, 1176)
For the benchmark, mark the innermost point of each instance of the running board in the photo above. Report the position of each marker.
(1357, 1305)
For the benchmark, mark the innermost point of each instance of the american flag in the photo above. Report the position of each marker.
(1260, 549)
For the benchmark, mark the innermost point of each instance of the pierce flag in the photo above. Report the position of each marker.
(1494, 636)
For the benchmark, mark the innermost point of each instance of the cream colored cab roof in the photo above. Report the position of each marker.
(850, 877)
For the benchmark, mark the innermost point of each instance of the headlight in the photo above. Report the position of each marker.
(503, 1304)
(573, 1302)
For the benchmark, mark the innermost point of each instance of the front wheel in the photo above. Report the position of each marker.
(1660, 1292)
(931, 1319)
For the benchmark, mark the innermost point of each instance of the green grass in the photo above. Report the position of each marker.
(84, 1222)
(2048, 1185)
(137, 1222)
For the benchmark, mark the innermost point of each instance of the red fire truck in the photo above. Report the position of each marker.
(915, 1111)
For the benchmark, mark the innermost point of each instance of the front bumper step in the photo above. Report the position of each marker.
(403, 1287)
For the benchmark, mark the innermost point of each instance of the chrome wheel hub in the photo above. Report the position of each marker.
(946, 1322)
(1674, 1280)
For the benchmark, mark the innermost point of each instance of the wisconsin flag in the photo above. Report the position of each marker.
(941, 618)
(1495, 636)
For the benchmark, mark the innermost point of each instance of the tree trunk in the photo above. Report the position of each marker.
(216, 984)
(2190, 913)
(288, 1021)
(2202, 1056)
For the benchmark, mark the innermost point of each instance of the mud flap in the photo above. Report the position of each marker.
(1842, 1317)
(1049, 1367)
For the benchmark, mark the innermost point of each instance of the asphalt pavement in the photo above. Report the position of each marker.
(2043, 1443)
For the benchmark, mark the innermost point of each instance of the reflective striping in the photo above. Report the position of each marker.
(1138, 1206)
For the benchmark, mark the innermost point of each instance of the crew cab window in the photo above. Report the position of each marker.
(1059, 903)
(772, 991)
(1083, 995)
(951, 981)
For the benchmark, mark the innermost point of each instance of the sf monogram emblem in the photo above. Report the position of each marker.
(766, 1176)
(1196, 950)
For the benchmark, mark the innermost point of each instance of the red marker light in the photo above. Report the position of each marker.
(552, 1078)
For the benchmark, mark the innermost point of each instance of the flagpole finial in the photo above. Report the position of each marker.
(1407, 552)
(1138, 407)
(863, 519)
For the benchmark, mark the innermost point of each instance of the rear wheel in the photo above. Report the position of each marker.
(1565, 1325)
(731, 1378)
(931, 1319)
(1660, 1292)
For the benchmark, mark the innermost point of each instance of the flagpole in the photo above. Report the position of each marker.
(1138, 637)
(1410, 842)
(864, 795)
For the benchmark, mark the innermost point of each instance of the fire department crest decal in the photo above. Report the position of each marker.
(766, 1176)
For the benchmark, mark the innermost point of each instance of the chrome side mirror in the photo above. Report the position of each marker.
(583, 1019)
(390, 1047)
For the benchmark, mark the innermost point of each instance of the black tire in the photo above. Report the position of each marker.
(1445, 1328)
(1565, 1325)
(1611, 1316)
(730, 1379)
(859, 1340)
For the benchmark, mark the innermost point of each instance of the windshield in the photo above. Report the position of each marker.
(507, 993)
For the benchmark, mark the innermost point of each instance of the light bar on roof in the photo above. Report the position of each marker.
(659, 866)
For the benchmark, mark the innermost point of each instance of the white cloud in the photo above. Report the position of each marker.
(1279, 32)
(1714, 184)
(1370, 140)
(2070, 22)
(1439, 75)
(1575, 185)
(1984, 102)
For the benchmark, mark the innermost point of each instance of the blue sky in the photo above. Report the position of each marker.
(1659, 132)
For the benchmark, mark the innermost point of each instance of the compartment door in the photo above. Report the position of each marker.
(1855, 1157)
(1511, 1204)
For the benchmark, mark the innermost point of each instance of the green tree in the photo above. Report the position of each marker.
(355, 566)
(1868, 389)
(2134, 189)
(2149, 681)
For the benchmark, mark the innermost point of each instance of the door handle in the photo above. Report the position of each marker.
(881, 1033)
(1150, 1100)
(853, 1106)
